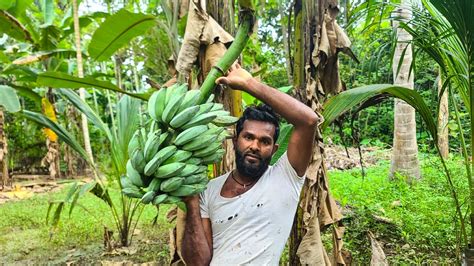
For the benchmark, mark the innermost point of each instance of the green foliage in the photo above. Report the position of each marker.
(422, 214)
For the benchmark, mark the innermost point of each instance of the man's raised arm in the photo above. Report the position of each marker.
(299, 115)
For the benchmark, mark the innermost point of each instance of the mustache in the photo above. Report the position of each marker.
(253, 154)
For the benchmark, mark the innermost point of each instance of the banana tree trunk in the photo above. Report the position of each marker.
(223, 13)
(405, 149)
(80, 73)
(315, 55)
(3, 151)
(443, 118)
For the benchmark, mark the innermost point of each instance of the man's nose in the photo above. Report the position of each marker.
(254, 145)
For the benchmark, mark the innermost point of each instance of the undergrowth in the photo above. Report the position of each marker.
(415, 223)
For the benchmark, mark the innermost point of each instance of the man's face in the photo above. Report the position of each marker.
(254, 147)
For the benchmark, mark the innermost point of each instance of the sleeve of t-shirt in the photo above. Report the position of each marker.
(288, 174)
(203, 204)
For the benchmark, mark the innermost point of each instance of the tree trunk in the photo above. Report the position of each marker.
(443, 118)
(315, 53)
(3, 151)
(405, 149)
(52, 157)
(80, 73)
(286, 41)
(223, 13)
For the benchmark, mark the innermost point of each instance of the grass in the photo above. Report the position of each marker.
(423, 225)
(25, 237)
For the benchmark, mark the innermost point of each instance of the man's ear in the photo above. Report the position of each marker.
(275, 148)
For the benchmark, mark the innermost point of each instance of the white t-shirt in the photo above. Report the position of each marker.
(253, 228)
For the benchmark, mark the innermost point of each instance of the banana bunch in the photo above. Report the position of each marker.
(169, 156)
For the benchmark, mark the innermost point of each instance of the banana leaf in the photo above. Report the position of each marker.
(9, 99)
(86, 109)
(48, 11)
(117, 31)
(13, 28)
(62, 133)
(61, 80)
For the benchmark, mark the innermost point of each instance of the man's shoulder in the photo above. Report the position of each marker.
(215, 184)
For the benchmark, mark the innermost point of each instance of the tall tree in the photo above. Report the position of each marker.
(405, 149)
(443, 118)
(80, 74)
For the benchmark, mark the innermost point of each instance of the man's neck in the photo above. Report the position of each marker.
(242, 178)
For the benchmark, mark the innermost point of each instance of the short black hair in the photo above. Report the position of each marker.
(261, 112)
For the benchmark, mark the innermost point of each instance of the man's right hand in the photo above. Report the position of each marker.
(236, 79)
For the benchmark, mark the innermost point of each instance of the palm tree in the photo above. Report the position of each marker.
(80, 73)
(405, 149)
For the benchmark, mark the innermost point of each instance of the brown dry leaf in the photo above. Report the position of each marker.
(311, 250)
(378, 256)
(201, 29)
(28, 59)
(214, 52)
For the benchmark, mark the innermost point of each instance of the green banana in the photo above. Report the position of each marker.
(199, 143)
(155, 184)
(125, 182)
(194, 160)
(138, 160)
(148, 197)
(171, 108)
(202, 119)
(184, 116)
(172, 200)
(169, 170)
(160, 156)
(206, 151)
(225, 120)
(211, 98)
(189, 169)
(158, 106)
(152, 104)
(179, 156)
(134, 143)
(213, 158)
(217, 107)
(171, 184)
(159, 199)
(187, 190)
(190, 99)
(133, 175)
(152, 145)
(189, 134)
(204, 108)
(196, 178)
(133, 192)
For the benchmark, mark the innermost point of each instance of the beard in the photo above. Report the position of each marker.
(254, 171)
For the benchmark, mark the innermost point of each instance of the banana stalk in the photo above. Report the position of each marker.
(229, 57)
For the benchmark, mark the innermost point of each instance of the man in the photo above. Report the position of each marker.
(245, 216)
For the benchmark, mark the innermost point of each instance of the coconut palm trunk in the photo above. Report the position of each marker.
(80, 73)
(405, 149)
(443, 118)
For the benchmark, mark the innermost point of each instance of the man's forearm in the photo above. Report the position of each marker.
(196, 250)
(291, 109)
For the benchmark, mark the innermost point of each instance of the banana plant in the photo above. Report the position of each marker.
(126, 213)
